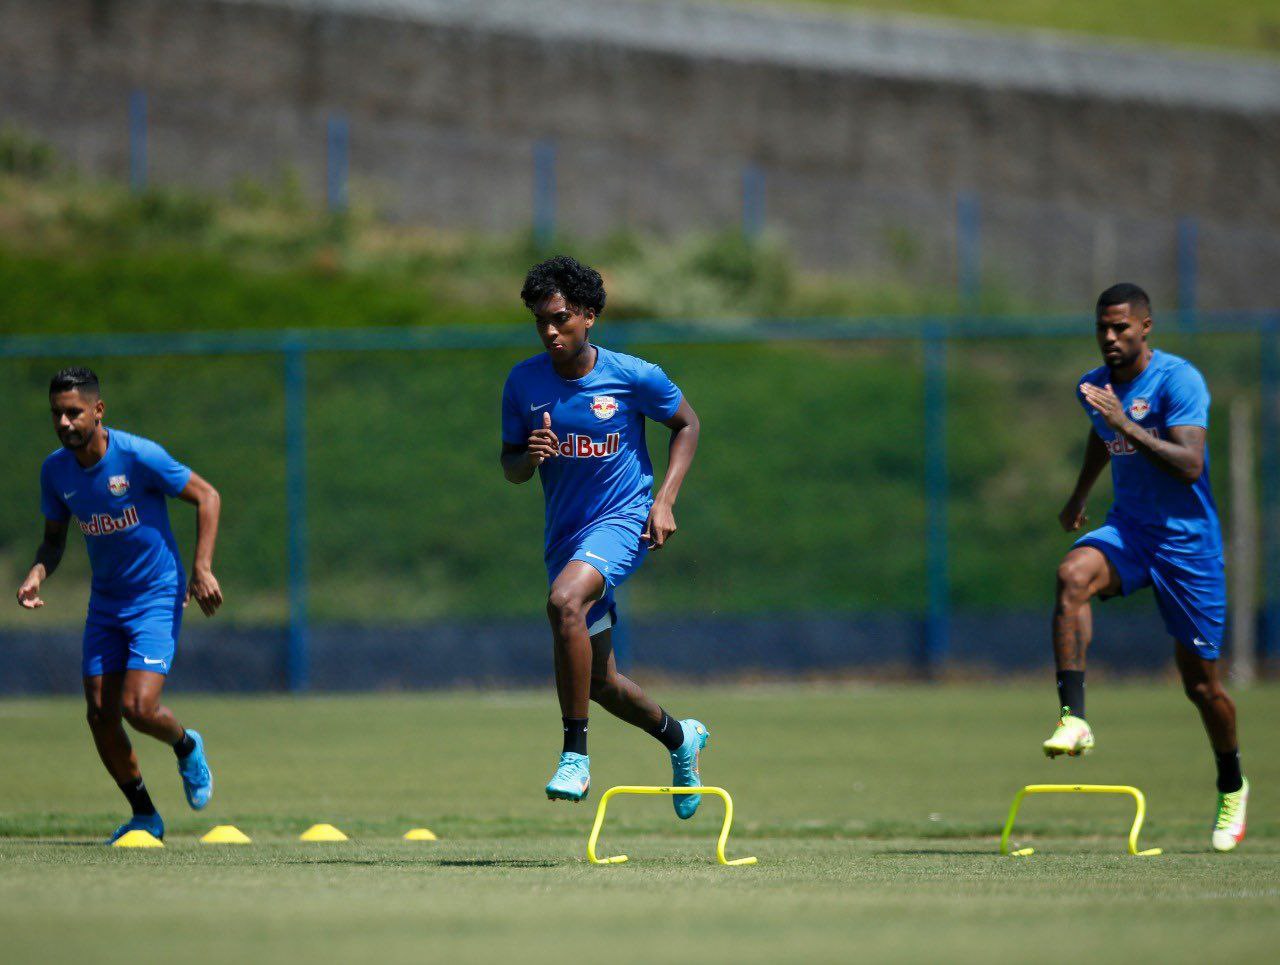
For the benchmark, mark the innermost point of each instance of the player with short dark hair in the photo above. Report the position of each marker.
(576, 415)
(1150, 415)
(115, 484)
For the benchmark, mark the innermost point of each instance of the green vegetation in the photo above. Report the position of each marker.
(883, 848)
(807, 493)
(1246, 25)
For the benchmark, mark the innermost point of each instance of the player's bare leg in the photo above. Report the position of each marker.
(104, 705)
(616, 693)
(1202, 682)
(103, 711)
(571, 595)
(622, 697)
(1085, 572)
(141, 707)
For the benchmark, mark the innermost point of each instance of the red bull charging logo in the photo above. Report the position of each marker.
(584, 447)
(104, 524)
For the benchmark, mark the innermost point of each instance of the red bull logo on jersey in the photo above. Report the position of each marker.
(604, 407)
(1138, 409)
(1120, 446)
(104, 524)
(584, 447)
(118, 485)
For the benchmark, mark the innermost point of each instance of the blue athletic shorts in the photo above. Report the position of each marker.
(1191, 591)
(614, 547)
(135, 636)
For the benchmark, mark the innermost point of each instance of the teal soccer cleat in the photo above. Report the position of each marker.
(151, 823)
(197, 781)
(684, 767)
(572, 779)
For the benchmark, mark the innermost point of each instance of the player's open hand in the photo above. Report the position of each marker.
(1105, 402)
(659, 526)
(1073, 515)
(29, 594)
(543, 443)
(204, 589)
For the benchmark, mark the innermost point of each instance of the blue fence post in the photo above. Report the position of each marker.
(544, 192)
(969, 251)
(937, 566)
(138, 141)
(297, 656)
(337, 155)
(1270, 426)
(753, 200)
(1188, 266)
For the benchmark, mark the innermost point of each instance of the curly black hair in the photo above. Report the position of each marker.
(580, 285)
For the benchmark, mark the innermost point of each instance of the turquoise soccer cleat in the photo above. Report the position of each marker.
(197, 780)
(684, 767)
(572, 779)
(151, 823)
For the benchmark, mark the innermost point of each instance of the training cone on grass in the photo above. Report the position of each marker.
(420, 834)
(226, 834)
(322, 832)
(137, 838)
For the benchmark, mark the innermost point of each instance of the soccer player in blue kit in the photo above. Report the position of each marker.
(576, 414)
(115, 485)
(1150, 415)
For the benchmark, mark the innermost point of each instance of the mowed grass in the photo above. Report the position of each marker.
(874, 812)
(1249, 25)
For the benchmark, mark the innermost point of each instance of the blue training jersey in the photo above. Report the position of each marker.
(603, 468)
(119, 503)
(1175, 516)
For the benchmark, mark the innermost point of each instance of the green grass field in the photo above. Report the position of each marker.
(1248, 25)
(874, 812)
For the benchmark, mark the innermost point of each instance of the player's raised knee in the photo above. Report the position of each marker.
(564, 606)
(137, 709)
(1075, 579)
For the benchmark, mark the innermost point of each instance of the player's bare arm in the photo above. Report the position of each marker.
(520, 462)
(1096, 456)
(48, 556)
(203, 586)
(1181, 455)
(684, 426)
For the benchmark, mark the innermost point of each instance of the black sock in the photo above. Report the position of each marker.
(184, 745)
(1071, 691)
(139, 799)
(1229, 776)
(669, 732)
(575, 735)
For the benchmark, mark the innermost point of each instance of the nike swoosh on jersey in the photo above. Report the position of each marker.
(149, 662)
(70, 494)
(535, 408)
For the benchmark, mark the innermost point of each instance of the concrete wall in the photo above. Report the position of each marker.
(1083, 157)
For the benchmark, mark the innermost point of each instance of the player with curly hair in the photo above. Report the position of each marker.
(575, 414)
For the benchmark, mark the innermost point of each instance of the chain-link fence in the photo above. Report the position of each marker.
(878, 495)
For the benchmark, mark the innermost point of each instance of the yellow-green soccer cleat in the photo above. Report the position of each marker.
(1228, 829)
(1073, 737)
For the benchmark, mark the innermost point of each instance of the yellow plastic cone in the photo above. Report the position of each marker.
(322, 832)
(420, 834)
(226, 834)
(137, 838)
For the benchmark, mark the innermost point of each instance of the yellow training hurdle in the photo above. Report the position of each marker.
(646, 789)
(1139, 816)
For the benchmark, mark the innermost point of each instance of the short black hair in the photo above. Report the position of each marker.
(1124, 293)
(580, 285)
(75, 377)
